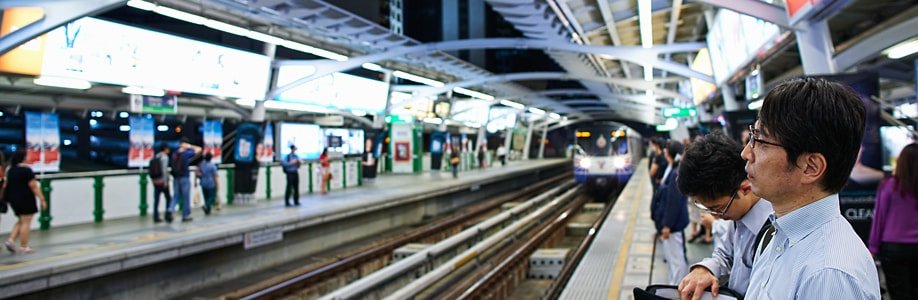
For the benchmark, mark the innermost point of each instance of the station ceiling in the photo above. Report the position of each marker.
(585, 22)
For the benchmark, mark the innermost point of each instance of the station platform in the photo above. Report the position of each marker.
(71, 254)
(621, 256)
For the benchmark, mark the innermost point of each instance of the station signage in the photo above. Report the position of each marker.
(677, 112)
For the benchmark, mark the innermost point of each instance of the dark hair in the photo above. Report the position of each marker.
(712, 167)
(674, 148)
(18, 157)
(185, 139)
(813, 115)
(163, 146)
(907, 171)
(208, 156)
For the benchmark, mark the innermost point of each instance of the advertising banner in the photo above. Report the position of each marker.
(213, 140)
(401, 144)
(43, 142)
(247, 138)
(141, 141)
(266, 150)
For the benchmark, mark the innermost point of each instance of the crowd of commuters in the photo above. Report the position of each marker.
(785, 236)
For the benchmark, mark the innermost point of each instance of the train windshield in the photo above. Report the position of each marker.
(601, 145)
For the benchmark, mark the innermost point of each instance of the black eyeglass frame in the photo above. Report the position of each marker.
(753, 132)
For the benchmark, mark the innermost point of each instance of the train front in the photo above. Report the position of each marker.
(602, 159)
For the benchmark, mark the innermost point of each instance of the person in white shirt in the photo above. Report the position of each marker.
(712, 173)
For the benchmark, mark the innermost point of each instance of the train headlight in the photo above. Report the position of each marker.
(585, 163)
(619, 162)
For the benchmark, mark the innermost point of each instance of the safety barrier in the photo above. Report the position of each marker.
(113, 191)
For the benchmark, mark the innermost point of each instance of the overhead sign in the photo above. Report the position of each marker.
(154, 105)
(677, 112)
(25, 59)
(107, 52)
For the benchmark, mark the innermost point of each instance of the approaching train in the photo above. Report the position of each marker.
(605, 156)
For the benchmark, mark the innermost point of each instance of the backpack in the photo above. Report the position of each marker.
(179, 164)
(156, 168)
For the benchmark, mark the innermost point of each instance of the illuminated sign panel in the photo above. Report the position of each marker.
(338, 90)
(107, 52)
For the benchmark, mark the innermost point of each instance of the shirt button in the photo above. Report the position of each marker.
(779, 249)
(763, 285)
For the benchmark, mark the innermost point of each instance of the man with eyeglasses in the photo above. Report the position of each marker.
(800, 155)
(712, 174)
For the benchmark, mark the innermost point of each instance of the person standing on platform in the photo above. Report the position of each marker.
(369, 162)
(454, 161)
(3, 205)
(502, 154)
(481, 156)
(894, 234)
(160, 179)
(712, 173)
(325, 170)
(181, 161)
(800, 155)
(670, 215)
(207, 175)
(20, 190)
(659, 164)
(291, 165)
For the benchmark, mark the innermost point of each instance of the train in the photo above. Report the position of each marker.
(605, 156)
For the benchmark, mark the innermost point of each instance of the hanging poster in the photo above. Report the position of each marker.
(213, 140)
(42, 142)
(266, 152)
(246, 140)
(141, 141)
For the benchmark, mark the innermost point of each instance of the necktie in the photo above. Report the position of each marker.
(763, 238)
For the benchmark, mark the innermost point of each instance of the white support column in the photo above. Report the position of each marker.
(508, 138)
(258, 112)
(528, 140)
(730, 103)
(543, 139)
(816, 49)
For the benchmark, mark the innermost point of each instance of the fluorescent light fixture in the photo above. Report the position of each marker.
(902, 49)
(372, 67)
(124, 128)
(433, 120)
(648, 72)
(754, 105)
(313, 50)
(61, 82)
(359, 113)
(144, 5)
(228, 28)
(555, 116)
(473, 124)
(187, 17)
(93, 122)
(137, 90)
(162, 128)
(270, 39)
(512, 104)
(536, 111)
(472, 93)
(296, 107)
(67, 142)
(124, 115)
(417, 79)
(646, 23)
(245, 102)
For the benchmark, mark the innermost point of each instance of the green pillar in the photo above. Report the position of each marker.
(360, 173)
(45, 218)
(99, 211)
(229, 186)
(143, 194)
(344, 174)
(309, 165)
(268, 182)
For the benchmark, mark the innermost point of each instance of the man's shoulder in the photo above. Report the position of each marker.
(838, 247)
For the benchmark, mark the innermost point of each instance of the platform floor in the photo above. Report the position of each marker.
(620, 257)
(62, 247)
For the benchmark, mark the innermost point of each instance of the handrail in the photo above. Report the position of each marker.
(136, 171)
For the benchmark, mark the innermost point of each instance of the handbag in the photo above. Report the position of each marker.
(454, 160)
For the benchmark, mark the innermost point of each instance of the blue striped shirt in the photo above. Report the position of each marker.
(733, 257)
(815, 254)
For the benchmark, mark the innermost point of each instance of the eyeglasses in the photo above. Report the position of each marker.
(716, 213)
(753, 139)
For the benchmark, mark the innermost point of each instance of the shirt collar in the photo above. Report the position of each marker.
(756, 216)
(801, 222)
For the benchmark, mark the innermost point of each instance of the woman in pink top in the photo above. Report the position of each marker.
(894, 234)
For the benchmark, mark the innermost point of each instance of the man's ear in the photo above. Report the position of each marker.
(814, 167)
